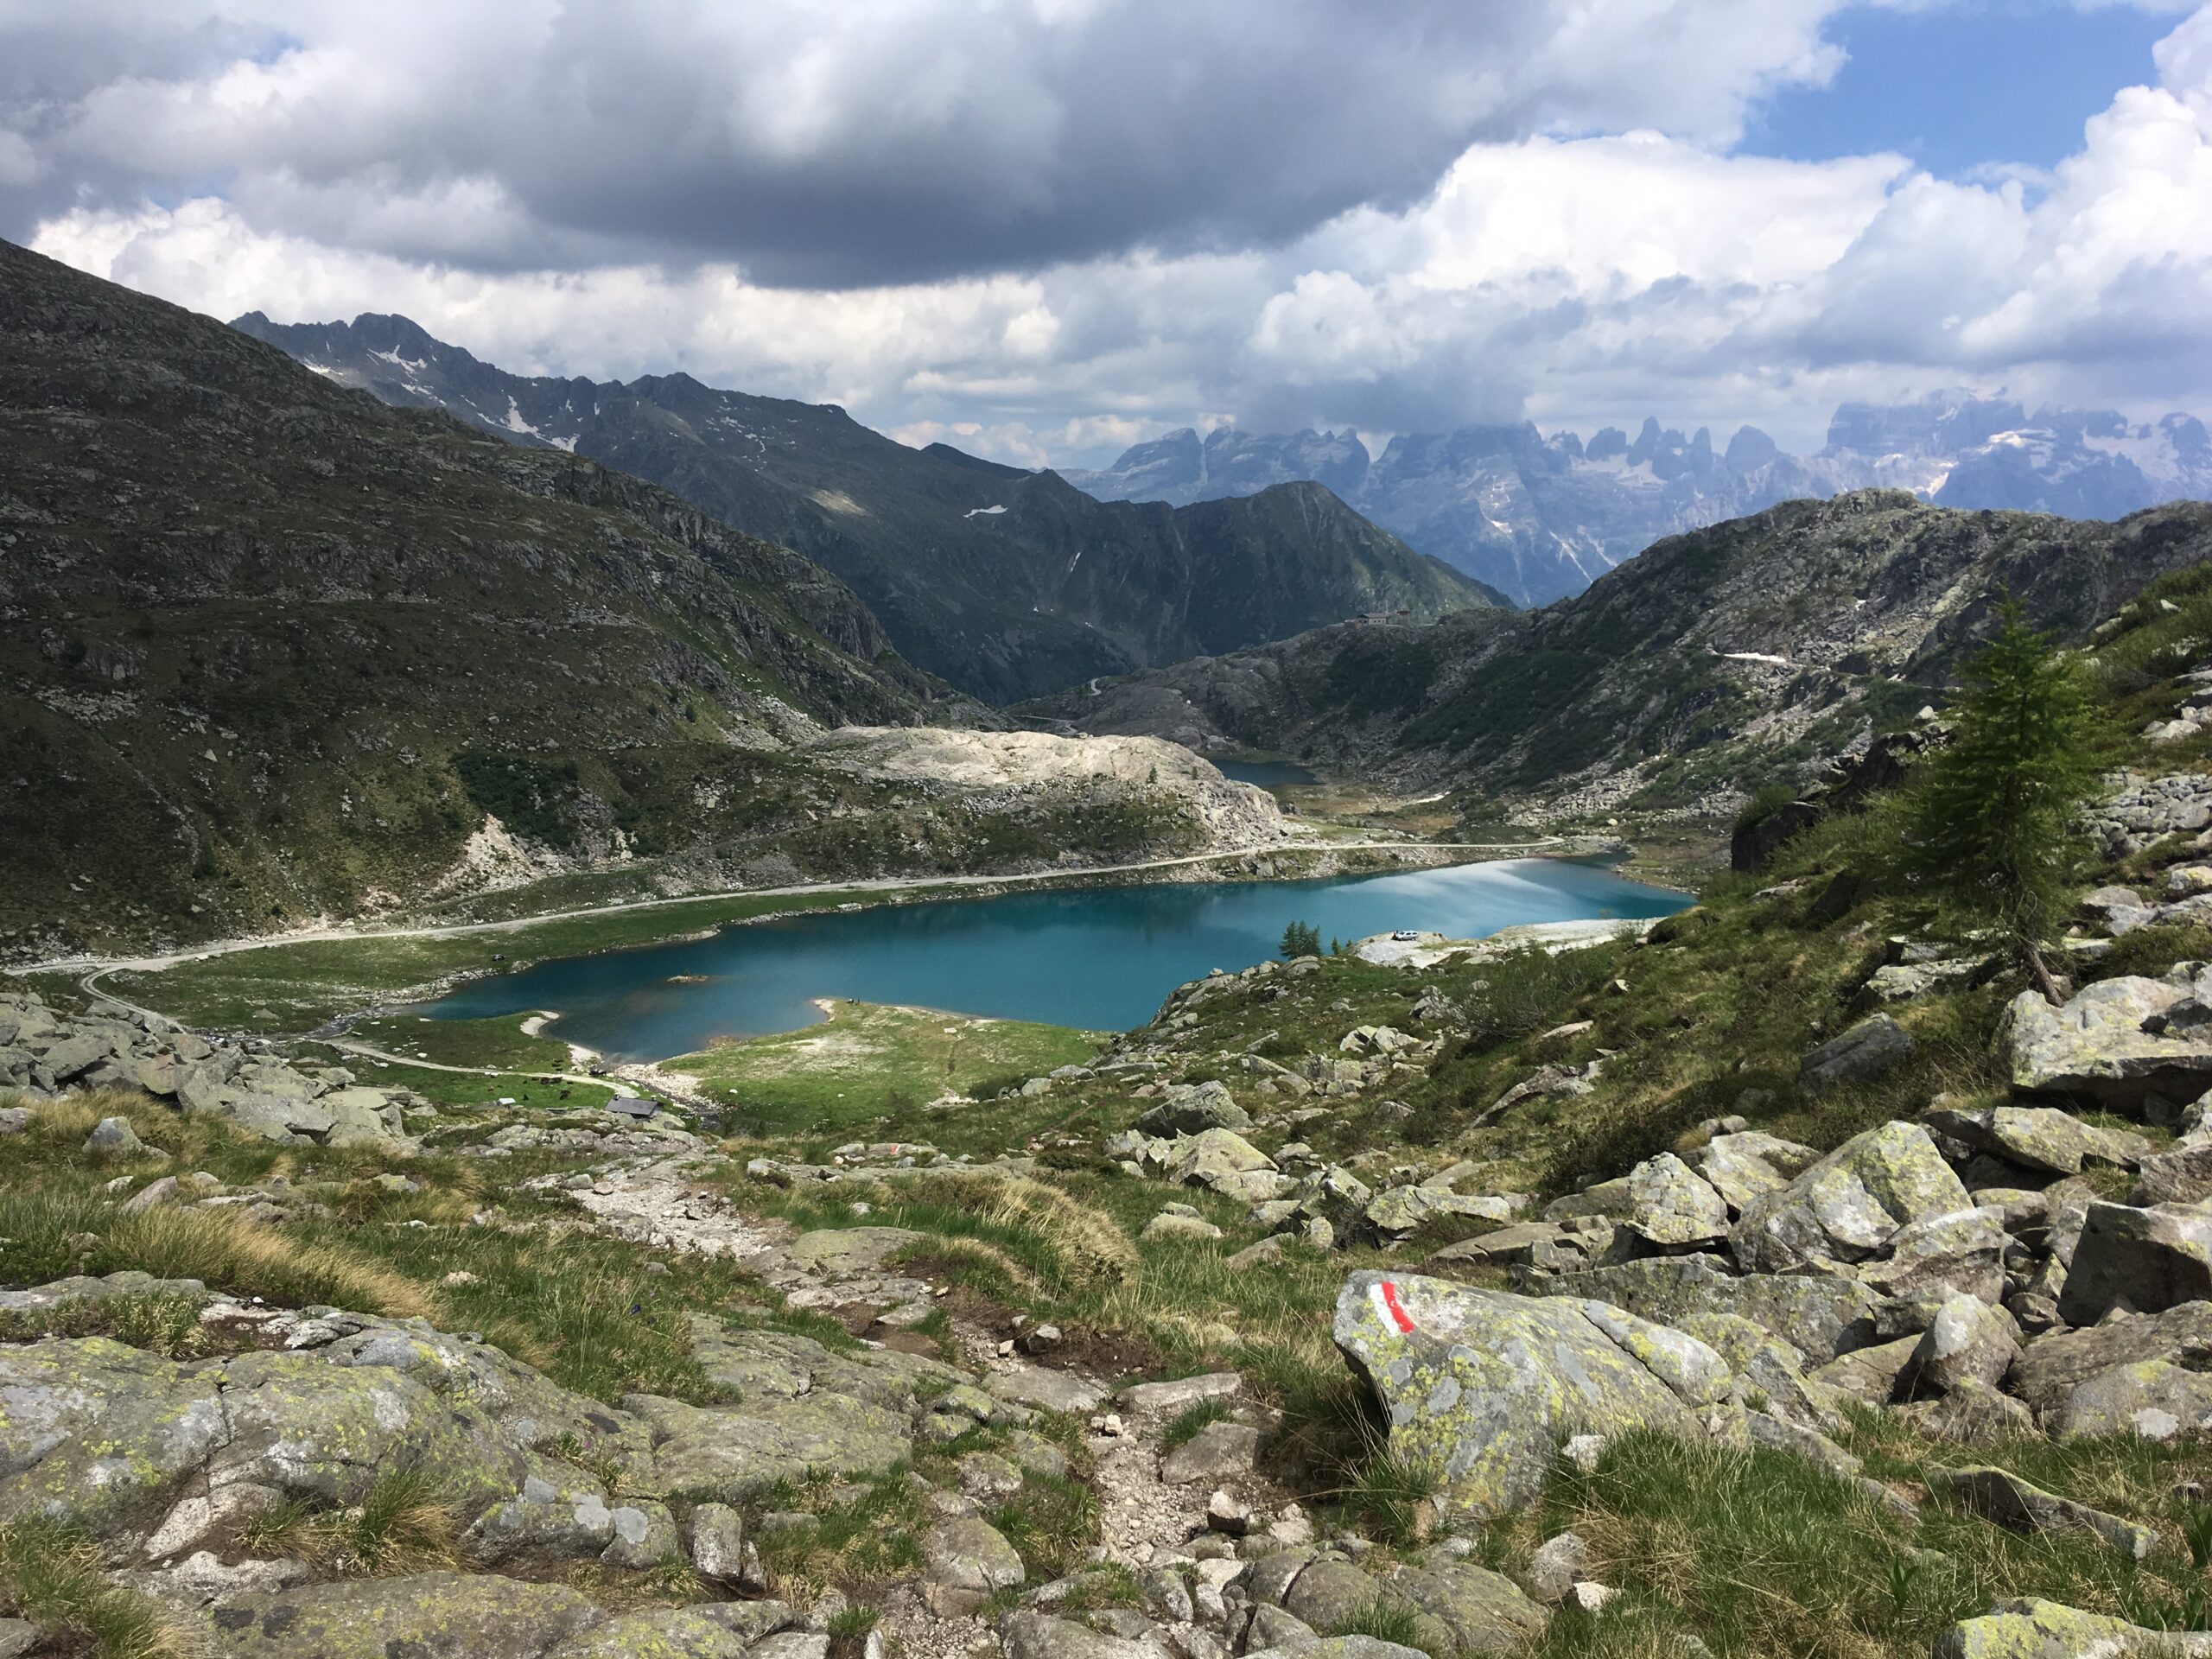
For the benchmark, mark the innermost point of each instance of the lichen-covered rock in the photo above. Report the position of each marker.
(1933, 1258)
(2054, 1366)
(1973, 1413)
(543, 1526)
(1815, 1314)
(663, 1633)
(2152, 1399)
(2182, 1175)
(2147, 1260)
(1851, 1205)
(2037, 1137)
(1867, 1050)
(1460, 1607)
(1398, 1211)
(644, 1537)
(92, 1431)
(482, 1616)
(755, 1367)
(1213, 1157)
(1186, 1108)
(2115, 1041)
(1026, 1635)
(1482, 1387)
(2032, 1628)
(1969, 1340)
(1673, 1207)
(1742, 1165)
(2000, 1495)
(728, 1454)
(1868, 1374)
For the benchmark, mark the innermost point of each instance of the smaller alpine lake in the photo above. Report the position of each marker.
(1095, 958)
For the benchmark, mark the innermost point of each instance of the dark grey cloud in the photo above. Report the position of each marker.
(847, 144)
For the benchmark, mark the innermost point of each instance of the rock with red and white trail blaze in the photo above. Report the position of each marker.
(1483, 1387)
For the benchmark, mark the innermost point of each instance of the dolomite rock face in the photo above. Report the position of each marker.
(1231, 815)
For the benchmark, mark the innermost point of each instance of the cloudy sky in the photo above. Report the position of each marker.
(1043, 229)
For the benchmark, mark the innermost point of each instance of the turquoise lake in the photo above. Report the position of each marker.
(1100, 958)
(1267, 774)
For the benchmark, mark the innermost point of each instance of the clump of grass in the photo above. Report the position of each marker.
(1184, 1428)
(402, 1524)
(1084, 1247)
(1394, 1496)
(854, 1546)
(1757, 1553)
(52, 1576)
(221, 1248)
(852, 1622)
(1386, 1619)
(167, 1325)
(1052, 1522)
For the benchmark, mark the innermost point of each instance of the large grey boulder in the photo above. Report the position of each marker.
(2180, 1175)
(1220, 1158)
(1850, 1205)
(2000, 1495)
(1742, 1165)
(2054, 1366)
(1186, 1108)
(1867, 1051)
(1672, 1207)
(1396, 1211)
(439, 1613)
(543, 1526)
(662, 1633)
(964, 1561)
(2145, 1260)
(1482, 1387)
(2116, 1041)
(1968, 1341)
(1821, 1317)
(2032, 1628)
(1935, 1257)
(114, 1134)
(729, 1454)
(1024, 1634)
(2037, 1137)
(2156, 1400)
(1460, 1607)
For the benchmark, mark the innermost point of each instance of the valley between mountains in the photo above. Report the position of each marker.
(1821, 1267)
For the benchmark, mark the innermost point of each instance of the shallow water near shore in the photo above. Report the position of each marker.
(1098, 958)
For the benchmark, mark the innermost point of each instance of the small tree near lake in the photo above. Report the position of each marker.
(1300, 939)
(1993, 819)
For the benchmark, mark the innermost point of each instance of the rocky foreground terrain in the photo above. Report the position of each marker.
(1786, 1277)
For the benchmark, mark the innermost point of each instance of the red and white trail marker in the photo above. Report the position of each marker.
(1389, 1308)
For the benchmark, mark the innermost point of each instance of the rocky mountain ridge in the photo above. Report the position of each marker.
(278, 651)
(1713, 664)
(1540, 517)
(1004, 582)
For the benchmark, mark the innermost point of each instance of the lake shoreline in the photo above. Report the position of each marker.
(1102, 965)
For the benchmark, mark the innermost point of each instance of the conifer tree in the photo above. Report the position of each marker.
(1993, 819)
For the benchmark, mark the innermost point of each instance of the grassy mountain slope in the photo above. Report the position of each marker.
(1694, 668)
(274, 651)
(1009, 583)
